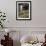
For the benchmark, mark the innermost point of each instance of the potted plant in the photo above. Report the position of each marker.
(2, 19)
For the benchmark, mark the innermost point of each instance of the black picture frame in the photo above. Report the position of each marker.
(23, 10)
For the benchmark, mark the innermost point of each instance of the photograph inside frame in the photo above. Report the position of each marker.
(23, 10)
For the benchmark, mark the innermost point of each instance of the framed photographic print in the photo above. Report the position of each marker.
(23, 10)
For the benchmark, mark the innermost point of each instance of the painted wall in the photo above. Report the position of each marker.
(38, 14)
(18, 35)
(38, 22)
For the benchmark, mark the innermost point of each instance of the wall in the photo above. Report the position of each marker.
(17, 35)
(38, 14)
(38, 22)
